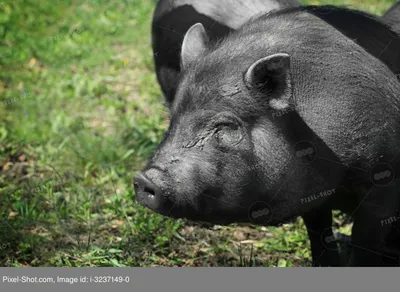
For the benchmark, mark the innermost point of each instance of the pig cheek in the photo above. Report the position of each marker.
(192, 177)
(238, 180)
(272, 155)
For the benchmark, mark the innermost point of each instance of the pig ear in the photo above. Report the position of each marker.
(194, 43)
(271, 76)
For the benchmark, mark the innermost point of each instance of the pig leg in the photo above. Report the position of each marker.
(319, 223)
(370, 230)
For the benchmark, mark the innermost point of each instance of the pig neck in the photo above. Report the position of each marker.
(369, 32)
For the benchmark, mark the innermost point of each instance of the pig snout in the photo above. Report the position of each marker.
(149, 194)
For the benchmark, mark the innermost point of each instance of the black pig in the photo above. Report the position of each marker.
(173, 18)
(229, 157)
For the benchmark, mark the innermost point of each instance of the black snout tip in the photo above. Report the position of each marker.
(147, 193)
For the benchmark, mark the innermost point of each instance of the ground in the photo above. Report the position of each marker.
(80, 112)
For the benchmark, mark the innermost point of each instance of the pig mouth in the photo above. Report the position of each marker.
(207, 221)
(202, 216)
(208, 206)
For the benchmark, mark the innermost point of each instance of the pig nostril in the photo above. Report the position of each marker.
(149, 191)
(145, 189)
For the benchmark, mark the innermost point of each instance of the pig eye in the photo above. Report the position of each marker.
(228, 134)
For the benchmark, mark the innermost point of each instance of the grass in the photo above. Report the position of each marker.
(80, 113)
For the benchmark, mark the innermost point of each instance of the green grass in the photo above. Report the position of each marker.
(80, 113)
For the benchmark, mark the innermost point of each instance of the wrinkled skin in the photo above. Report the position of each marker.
(225, 149)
